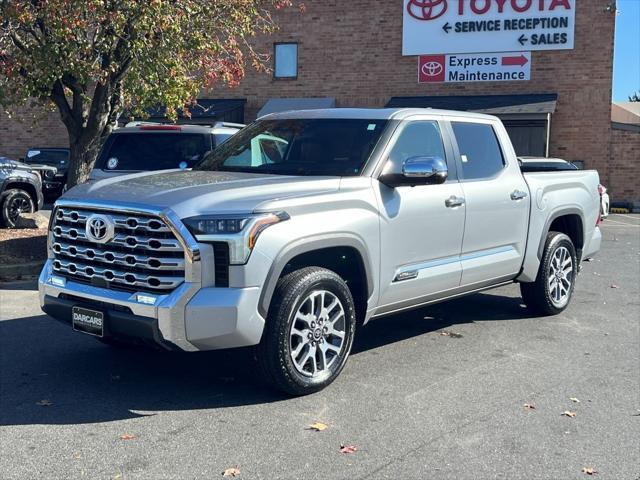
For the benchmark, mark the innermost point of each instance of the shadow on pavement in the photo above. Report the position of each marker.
(88, 382)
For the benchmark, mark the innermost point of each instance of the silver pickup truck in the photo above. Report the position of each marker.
(306, 224)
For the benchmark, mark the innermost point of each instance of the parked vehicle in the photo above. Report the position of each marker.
(544, 164)
(20, 191)
(145, 146)
(343, 216)
(604, 200)
(54, 183)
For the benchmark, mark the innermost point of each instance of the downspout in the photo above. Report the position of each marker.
(546, 151)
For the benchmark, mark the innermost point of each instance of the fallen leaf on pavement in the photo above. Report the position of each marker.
(446, 333)
(615, 286)
(77, 455)
(44, 403)
(318, 427)
(567, 413)
(589, 470)
(348, 448)
(574, 400)
(529, 406)
(231, 472)
(127, 436)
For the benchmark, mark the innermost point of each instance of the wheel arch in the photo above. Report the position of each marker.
(20, 185)
(569, 221)
(324, 251)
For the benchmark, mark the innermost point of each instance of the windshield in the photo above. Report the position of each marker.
(154, 151)
(48, 157)
(331, 147)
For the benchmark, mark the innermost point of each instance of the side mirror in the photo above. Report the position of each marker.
(420, 170)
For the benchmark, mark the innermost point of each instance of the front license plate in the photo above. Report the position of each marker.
(88, 321)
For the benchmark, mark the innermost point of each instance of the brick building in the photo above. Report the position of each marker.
(349, 54)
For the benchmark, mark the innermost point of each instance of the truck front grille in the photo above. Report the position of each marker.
(142, 255)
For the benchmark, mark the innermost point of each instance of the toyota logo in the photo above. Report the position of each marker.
(99, 228)
(432, 69)
(426, 9)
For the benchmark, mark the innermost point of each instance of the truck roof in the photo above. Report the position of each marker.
(373, 113)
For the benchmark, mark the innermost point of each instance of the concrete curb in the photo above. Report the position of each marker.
(19, 271)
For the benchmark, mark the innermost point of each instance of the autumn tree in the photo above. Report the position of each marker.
(93, 59)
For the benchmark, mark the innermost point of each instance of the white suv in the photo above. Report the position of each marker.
(141, 147)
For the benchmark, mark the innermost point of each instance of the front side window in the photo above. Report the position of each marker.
(417, 139)
(285, 60)
(331, 147)
(479, 150)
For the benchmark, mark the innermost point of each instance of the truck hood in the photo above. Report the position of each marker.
(190, 193)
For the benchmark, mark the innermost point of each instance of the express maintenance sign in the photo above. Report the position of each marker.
(472, 26)
(475, 67)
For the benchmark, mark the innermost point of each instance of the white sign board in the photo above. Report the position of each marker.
(471, 26)
(475, 67)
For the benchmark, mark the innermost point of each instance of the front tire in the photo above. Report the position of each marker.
(309, 331)
(551, 293)
(15, 202)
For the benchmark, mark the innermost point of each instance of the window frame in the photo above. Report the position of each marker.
(458, 154)
(275, 60)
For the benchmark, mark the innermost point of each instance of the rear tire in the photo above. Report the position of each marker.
(14, 202)
(551, 292)
(309, 331)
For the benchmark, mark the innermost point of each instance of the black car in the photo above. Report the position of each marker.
(52, 184)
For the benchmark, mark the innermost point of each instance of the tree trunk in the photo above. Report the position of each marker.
(81, 161)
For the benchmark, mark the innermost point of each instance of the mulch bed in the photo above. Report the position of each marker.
(22, 245)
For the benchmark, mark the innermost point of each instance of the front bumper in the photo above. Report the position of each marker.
(190, 318)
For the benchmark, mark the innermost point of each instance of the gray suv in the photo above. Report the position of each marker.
(142, 147)
(306, 224)
(20, 191)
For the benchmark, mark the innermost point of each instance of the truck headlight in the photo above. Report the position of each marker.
(240, 231)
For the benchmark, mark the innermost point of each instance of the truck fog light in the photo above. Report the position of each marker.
(57, 281)
(146, 299)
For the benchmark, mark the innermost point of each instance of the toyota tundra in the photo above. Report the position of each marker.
(307, 224)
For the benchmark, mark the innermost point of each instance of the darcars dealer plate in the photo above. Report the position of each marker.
(88, 321)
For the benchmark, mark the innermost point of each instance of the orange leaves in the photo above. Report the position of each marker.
(348, 448)
(231, 472)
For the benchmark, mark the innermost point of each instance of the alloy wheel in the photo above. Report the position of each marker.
(560, 277)
(317, 334)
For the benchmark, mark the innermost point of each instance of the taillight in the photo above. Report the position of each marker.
(161, 127)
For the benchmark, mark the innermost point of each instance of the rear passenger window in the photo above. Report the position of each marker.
(479, 150)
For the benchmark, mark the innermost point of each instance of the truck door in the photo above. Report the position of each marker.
(497, 203)
(421, 226)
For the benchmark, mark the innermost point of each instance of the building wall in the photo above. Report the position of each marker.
(30, 127)
(352, 51)
(624, 179)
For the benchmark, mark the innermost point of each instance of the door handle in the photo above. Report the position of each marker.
(518, 195)
(453, 201)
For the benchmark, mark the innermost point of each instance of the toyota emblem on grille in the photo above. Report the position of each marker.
(100, 228)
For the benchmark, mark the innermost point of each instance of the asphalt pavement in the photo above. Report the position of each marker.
(437, 393)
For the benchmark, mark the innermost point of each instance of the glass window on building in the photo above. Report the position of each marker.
(285, 60)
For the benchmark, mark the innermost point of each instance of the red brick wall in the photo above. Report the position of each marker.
(624, 179)
(351, 50)
(30, 127)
